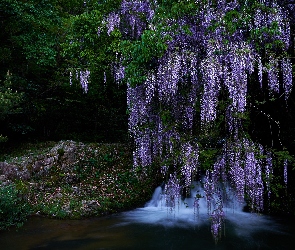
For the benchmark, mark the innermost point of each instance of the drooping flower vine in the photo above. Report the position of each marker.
(211, 48)
(83, 77)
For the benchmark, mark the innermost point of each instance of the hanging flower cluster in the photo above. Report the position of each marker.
(172, 192)
(112, 22)
(190, 163)
(205, 54)
(268, 173)
(287, 76)
(83, 76)
(132, 12)
(286, 172)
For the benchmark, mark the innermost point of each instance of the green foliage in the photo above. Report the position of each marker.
(282, 155)
(102, 112)
(281, 200)
(29, 38)
(32, 27)
(13, 209)
(54, 209)
(41, 42)
(177, 9)
(207, 157)
(60, 152)
(142, 55)
(3, 138)
(9, 99)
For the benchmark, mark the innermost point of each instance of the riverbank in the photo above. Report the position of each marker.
(152, 228)
(74, 180)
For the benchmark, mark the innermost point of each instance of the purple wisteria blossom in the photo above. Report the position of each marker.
(253, 178)
(273, 76)
(83, 76)
(237, 172)
(190, 163)
(71, 77)
(181, 93)
(260, 70)
(132, 12)
(112, 22)
(268, 173)
(211, 91)
(217, 218)
(172, 192)
(286, 172)
(84, 79)
(287, 76)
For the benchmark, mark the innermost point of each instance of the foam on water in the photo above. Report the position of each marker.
(185, 215)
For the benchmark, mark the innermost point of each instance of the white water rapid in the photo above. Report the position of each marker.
(185, 215)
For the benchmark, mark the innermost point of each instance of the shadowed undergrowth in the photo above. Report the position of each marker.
(70, 180)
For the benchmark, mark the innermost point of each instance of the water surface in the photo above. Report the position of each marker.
(153, 227)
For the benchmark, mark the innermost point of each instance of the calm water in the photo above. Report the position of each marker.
(153, 228)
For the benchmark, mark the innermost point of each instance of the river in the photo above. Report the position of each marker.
(153, 227)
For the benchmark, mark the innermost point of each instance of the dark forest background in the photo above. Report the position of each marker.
(37, 101)
(42, 40)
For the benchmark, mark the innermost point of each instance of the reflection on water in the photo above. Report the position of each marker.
(121, 231)
(152, 227)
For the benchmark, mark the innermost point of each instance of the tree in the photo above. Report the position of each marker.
(29, 50)
(41, 43)
(91, 61)
(194, 72)
(9, 101)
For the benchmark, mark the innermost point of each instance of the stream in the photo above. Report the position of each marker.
(153, 227)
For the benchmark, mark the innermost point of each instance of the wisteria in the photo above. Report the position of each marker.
(237, 172)
(206, 60)
(267, 18)
(253, 178)
(211, 91)
(132, 12)
(217, 218)
(112, 22)
(268, 173)
(287, 76)
(260, 70)
(83, 77)
(273, 76)
(286, 172)
(172, 192)
(190, 163)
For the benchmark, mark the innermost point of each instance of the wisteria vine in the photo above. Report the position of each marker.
(212, 48)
